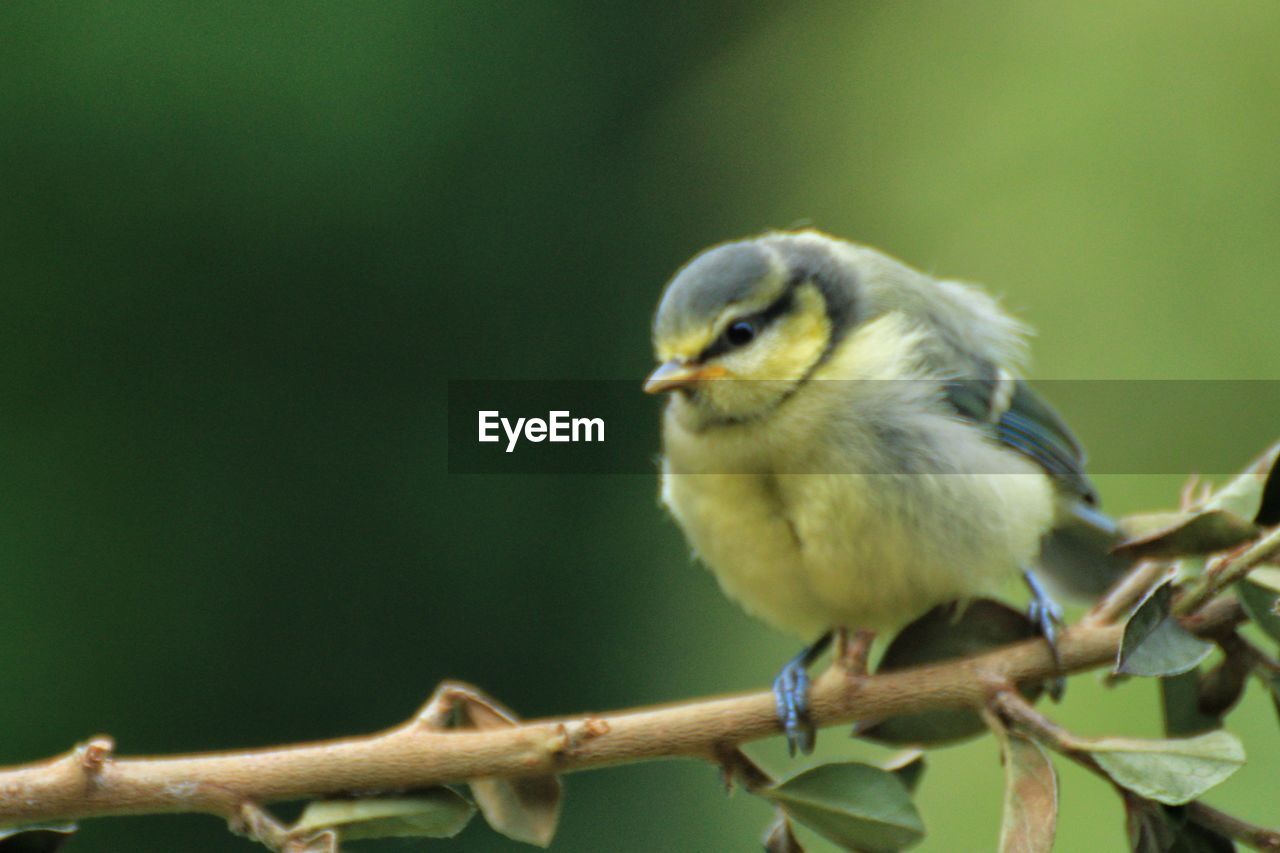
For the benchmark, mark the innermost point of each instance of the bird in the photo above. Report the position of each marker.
(848, 442)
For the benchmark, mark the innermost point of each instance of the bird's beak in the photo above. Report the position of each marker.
(679, 374)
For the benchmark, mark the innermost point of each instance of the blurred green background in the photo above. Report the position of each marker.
(246, 245)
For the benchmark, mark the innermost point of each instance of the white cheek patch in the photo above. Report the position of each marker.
(792, 345)
(751, 361)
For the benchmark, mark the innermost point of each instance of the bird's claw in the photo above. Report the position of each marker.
(1046, 614)
(791, 698)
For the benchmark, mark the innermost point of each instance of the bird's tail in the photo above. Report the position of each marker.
(1076, 558)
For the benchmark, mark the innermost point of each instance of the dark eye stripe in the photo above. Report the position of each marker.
(759, 321)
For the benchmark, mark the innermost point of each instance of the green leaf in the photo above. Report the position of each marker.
(1183, 534)
(1173, 771)
(1258, 600)
(1180, 699)
(431, 813)
(1266, 576)
(1154, 643)
(41, 838)
(1144, 525)
(940, 635)
(858, 806)
(1030, 816)
(1243, 496)
(908, 766)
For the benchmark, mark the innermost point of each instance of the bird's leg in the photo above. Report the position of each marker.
(853, 650)
(1047, 616)
(853, 656)
(791, 697)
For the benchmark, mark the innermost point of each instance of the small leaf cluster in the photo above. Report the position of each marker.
(865, 808)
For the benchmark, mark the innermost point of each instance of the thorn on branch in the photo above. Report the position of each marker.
(595, 727)
(450, 696)
(94, 753)
(574, 734)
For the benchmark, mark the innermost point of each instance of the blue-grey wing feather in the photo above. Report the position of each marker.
(1076, 554)
(1020, 419)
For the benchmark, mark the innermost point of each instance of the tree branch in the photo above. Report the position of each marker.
(1126, 594)
(1225, 570)
(1257, 837)
(92, 781)
(1019, 712)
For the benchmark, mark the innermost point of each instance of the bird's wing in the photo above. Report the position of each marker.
(1018, 418)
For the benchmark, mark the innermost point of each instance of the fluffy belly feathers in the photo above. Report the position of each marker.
(808, 552)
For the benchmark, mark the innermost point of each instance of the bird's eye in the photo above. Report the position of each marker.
(741, 333)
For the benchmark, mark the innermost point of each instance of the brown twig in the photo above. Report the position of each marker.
(1223, 571)
(738, 767)
(1010, 705)
(1257, 837)
(1127, 593)
(417, 753)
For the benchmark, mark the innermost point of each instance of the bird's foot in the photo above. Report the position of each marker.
(1046, 614)
(791, 698)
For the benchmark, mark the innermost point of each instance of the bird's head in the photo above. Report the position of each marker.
(744, 324)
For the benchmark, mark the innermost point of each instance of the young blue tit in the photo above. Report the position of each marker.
(847, 445)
